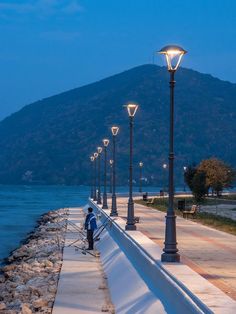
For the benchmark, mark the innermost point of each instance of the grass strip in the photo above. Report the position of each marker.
(215, 221)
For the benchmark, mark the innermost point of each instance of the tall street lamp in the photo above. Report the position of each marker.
(114, 131)
(104, 203)
(173, 56)
(140, 176)
(185, 169)
(130, 224)
(95, 176)
(164, 166)
(92, 177)
(99, 200)
(111, 166)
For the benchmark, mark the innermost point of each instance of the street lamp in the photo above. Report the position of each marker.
(99, 201)
(130, 224)
(104, 203)
(173, 56)
(185, 169)
(92, 177)
(114, 131)
(164, 166)
(140, 176)
(111, 166)
(95, 176)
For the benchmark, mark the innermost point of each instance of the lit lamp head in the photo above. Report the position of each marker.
(173, 56)
(105, 142)
(111, 162)
(132, 108)
(141, 164)
(99, 149)
(95, 155)
(185, 168)
(164, 166)
(114, 130)
(92, 158)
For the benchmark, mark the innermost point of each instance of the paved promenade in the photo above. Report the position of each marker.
(209, 252)
(82, 288)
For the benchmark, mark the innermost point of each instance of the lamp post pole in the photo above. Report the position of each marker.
(104, 203)
(164, 178)
(140, 176)
(111, 166)
(114, 212)
(185, 169)
(130, 224)
(99, 200)
(170, 250)
(92, 177)
(95, 176)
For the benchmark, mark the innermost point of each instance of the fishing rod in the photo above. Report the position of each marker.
(84, 251)
(96, 238)
(83, 237)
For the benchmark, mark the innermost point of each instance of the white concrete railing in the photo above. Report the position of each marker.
(162, 283)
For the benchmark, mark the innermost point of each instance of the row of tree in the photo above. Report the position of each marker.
(210, 176)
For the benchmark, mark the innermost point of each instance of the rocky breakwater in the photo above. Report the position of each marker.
(28, 281)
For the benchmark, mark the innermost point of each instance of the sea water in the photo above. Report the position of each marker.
(21, 207)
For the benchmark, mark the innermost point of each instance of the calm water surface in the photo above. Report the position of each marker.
(21, 206)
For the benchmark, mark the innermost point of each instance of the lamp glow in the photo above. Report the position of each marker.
(95, 155)
(164, 166)
(105, 142)
(99, 149)
(173, 56)
(92, 158)
(114, 130)
(141, 164)
(132, 108)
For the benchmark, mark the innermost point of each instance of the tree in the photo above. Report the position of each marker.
(199, 185)
(219, 175)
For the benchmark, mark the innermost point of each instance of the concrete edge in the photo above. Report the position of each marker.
(150, 269)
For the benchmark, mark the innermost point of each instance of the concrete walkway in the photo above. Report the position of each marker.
(209, 252)
(82, 287)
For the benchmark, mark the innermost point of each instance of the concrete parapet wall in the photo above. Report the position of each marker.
(144, 255)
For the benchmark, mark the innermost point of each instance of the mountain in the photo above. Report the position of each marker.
(50, 141)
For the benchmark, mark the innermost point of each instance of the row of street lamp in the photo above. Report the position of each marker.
(173, 55)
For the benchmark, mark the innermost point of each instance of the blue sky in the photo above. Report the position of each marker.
(49, 46)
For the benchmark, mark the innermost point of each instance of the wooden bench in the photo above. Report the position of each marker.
(192, 212)
(151, 202)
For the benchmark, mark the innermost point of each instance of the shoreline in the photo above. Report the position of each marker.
(30, 274)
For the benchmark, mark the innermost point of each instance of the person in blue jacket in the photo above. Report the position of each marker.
(90, 225)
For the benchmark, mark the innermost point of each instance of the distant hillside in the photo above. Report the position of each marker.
(51, 140)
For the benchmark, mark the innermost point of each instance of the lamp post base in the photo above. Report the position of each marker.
(113, 214)
(170, 257)
(104, 204)
(130, 227)
(99, 200)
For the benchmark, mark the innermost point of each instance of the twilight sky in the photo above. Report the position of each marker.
(49, 46)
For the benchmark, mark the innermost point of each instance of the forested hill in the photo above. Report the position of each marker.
(50, 141)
